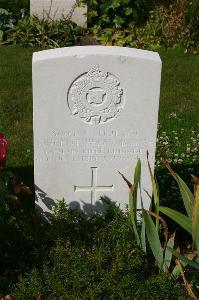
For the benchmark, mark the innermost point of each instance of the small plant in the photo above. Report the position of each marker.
(9, 19)
(116, 13)
(165, 26)
(32, 31)
(192, 16)
(6, 20)
(101, 262)
(146, 226)
(10, 185)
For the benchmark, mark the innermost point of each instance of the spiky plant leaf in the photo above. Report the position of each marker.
(137, 183)
(153, 239)
(143, 235)
(187, 195)
(133, 198)
(155, 189)
(164, 224)
(182, 220)
(131, 208)
(184, 258)
(168, 254)
(195, 220)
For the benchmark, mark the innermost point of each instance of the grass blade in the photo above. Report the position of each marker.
(155, 190)
(133, 197)
(137, 179)
(164, 224)
(195, 220)
(179, 218)
(184, 259)
(131, 208)
(168, 254)
(143, 236)
(187, 195)
(153, 239)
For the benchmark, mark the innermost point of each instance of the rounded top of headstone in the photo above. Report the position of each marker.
(81, 51)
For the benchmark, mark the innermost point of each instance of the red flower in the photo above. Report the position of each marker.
(3, 146)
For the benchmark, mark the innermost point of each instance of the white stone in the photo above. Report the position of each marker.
(58, 9)
(95, 113)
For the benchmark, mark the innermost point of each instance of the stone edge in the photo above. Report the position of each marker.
(81, 51)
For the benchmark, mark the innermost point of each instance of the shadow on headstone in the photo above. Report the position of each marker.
(168, 189)
(44, 205)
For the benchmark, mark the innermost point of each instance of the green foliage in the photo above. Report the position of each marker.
(163, 251)
(15, 5)
(165, 26)
(104, 263)
(148, 228)
(32, 31)
(24, 242)
(76, 256)
(11, 188)
(116, 13)
(178, 217)
(5, 19)
(192, 16)
(189, 222)
(81, 274)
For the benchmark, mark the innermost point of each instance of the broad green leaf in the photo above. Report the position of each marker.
(143, 235)
(187, 195)
(195, 221)
(168, 254)
(184, 259)
(153, 239)
(182, 220)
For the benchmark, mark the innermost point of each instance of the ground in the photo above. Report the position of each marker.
(178, 140)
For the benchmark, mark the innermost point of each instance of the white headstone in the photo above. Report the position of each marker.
(95, 113)
(58, 9)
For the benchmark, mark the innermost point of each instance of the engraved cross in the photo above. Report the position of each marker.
(93, 188)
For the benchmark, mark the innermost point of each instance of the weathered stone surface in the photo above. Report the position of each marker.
(95, 113)
(58, 9)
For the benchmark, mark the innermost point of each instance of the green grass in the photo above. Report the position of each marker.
(16, 104)
(179, 90)
(74, 257)
(82, 248)
(179, 105)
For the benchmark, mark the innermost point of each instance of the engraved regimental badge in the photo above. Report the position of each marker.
(96, 97)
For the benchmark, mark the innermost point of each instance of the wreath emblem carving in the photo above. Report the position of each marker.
(96, 96)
